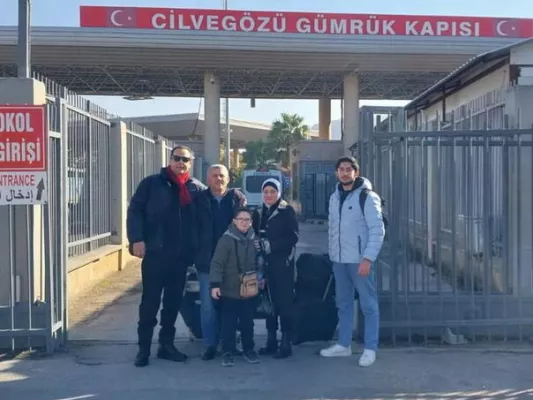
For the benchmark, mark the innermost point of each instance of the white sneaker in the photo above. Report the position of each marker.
(367, 358)
(336, 351)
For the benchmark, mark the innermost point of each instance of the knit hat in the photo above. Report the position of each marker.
(274, 183)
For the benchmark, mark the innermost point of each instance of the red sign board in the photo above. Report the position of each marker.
(181, 19)
(23, 138)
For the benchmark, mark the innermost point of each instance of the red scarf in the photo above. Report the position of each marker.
(181, 180)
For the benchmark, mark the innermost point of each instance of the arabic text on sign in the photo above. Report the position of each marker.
(19, 194)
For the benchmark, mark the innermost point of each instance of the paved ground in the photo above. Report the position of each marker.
(98, 363)
(106, 372)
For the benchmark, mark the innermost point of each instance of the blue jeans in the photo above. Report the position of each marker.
(209, 315)
(347, 281)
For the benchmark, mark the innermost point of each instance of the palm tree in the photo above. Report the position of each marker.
(259, 153)
(286, 131)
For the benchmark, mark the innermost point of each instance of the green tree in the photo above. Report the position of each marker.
(286, 131)
(235, 177)
(259, 153)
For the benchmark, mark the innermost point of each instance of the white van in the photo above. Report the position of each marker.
(252, 180)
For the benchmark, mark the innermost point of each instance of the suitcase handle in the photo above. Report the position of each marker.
(330, 280)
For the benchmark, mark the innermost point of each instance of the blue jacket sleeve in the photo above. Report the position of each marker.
(376, 228)
(137, 211)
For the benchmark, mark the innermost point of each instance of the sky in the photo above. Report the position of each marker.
(66, 13)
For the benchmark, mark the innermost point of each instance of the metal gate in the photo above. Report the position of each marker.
(317, 188)
(458, 261)
(33, 257)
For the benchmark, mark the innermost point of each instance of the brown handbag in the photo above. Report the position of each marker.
(249, 285)
(249, 282)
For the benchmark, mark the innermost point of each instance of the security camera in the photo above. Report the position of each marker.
(212, 79)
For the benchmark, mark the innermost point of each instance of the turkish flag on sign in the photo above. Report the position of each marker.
(122, 17)
(112, 17)
(507, 28)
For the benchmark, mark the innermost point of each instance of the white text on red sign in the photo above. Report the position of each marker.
(315, 26)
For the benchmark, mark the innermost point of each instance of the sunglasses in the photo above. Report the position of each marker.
(181, 158)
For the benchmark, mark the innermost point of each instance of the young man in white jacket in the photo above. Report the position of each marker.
(355, 240)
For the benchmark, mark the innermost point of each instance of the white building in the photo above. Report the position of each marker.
(488, 87)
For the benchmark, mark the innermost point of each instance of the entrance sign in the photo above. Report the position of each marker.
(182, 19)
(23, 155)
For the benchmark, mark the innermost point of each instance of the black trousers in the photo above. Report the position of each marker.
(280, 279)
(161, 274)
(239, 314)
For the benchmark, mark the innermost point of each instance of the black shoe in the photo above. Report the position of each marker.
(271, 345)
(141, 360)
(169, 352)
(209, 353)
(251, 357)
(228, 360)
(285, 349)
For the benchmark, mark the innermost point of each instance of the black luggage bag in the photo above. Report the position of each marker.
(313, 272)
(316, 318)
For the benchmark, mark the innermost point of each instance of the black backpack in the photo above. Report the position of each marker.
(362, 200)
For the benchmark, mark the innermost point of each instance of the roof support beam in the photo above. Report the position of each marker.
(188, 82)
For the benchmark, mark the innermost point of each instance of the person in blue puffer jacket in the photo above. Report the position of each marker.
(355, 240)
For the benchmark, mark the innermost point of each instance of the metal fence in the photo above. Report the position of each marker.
(141, 155)
(87, 129)
(33, 286)
(75, 220)
(88, 177)
(458, 263)
(56, 233)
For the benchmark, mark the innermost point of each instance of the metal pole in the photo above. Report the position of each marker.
(228, 128)
(228, 134)
(23, 70)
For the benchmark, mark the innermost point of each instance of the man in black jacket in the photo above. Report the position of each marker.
(215, 209)
(161, 231)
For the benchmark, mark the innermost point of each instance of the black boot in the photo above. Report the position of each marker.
(169, 352)
(271, 345)
(145, 345)
(141, 360)
(285, 349)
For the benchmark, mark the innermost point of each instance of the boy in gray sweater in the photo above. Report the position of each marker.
(235, 257)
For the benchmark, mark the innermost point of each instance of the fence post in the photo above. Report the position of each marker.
(63, 236)
(118, 146)
(161, 152)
